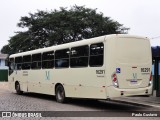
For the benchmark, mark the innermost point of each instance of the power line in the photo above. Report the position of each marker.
(155, 37)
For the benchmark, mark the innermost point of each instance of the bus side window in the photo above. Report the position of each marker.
(62, 58)
(79, 56)
(96, 55)
(36, 61)
(26, 62)
(48, 60)
(18, 63)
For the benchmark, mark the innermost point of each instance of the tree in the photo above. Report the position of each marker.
(17, 43)
(61, 26)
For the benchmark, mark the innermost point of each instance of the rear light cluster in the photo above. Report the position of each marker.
(150, 80)
(115, 80)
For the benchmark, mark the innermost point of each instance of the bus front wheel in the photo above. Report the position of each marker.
(60, 94)
(18, 89)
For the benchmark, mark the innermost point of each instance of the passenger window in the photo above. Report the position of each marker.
(79, 56)
(96, 55)
(18, 63)
(48, 60)
(36, 61)
(26, 62)
(62, 58)
(11, 65)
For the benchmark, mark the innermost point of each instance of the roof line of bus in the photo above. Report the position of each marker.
(72, 44)
(61, 46)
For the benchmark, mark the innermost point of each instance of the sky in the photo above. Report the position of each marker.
(141, 16)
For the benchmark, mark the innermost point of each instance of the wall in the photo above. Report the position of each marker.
(2, 64)
(3, 71)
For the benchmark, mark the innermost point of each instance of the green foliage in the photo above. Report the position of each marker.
(60, 26)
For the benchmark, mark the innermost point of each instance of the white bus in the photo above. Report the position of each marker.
(99, 68)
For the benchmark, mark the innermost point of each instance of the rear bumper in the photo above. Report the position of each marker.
(113, 92)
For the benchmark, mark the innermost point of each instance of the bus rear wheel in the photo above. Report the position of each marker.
(60, 94)
(18, 89)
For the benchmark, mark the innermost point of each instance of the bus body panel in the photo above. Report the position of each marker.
(133, 59)
(93, 82)
(128, 92)
(132, 66)
(75, 84)
(79, 83)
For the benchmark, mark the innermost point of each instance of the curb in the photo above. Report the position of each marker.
(136, 103)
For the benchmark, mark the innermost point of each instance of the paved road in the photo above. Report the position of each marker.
(10, 101)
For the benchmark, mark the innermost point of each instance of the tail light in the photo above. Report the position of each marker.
(150, 80)
(115, 80)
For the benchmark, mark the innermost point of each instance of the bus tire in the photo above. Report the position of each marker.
(18, 89)
(60, 94)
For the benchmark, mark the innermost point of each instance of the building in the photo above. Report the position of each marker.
(3, 67)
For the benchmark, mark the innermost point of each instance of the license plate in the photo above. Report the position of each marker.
(133, 81)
